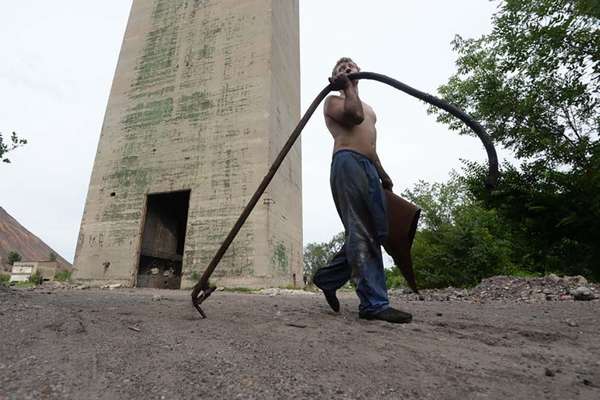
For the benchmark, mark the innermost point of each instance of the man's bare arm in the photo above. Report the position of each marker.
(386, 181)
(347, 111)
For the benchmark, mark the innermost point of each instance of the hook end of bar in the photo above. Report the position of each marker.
(199, 295)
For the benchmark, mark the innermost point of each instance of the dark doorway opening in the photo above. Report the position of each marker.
(163, 239)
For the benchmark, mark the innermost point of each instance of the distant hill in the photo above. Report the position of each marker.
(14, 237)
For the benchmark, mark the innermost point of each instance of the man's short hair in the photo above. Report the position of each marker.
(341, 60)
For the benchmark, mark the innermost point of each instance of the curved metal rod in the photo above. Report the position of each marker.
(202, 290)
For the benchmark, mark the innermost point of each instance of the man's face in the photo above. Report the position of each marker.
(347, 67)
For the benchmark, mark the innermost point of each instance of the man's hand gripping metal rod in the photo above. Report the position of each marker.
(203, 290)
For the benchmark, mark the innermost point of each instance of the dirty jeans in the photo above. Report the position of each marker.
(360, 203)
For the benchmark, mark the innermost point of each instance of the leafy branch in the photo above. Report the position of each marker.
(11, 144)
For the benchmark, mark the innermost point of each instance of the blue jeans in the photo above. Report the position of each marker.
(360, 203)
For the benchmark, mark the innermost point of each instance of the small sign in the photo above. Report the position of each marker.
(23, 269)
(20, 277)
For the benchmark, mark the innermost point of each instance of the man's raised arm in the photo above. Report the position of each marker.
(347, 111)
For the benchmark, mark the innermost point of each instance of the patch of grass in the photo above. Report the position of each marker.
(240, 289)
(290, 287)
(36, 279)
(195, 276)
(4, 279)
(63, 276)
(24, 285)
(311, 288)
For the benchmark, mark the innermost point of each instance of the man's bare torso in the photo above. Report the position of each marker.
(361, 138)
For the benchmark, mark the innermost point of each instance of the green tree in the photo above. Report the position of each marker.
(12, 143)
(459, 242)
(534, 83)
(317, 255)
(394, 279)
(13, 257)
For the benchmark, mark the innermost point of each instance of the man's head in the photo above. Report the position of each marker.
(346, 65)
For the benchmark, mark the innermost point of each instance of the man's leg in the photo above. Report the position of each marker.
(332, 277)
(364, 257)
(354, 184)
(360, 202)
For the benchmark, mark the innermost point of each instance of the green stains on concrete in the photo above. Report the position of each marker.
(156, 69)
(130, 178)
(160, 93)
(158, 63)
(148, 114)
(205, 52)
(280, 258)
(127, 208)
(130, 151)
(193, 107)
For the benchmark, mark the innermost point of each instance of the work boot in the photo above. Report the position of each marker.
(389, 315)
(332, 300)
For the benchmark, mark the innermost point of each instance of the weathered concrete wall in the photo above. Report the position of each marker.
(205, 94)
(22, 271)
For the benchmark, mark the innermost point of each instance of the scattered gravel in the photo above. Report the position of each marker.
(513, 289)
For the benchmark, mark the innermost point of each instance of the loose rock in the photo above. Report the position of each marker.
(583, 293)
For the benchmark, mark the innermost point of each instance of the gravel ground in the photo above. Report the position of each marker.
(151, 344)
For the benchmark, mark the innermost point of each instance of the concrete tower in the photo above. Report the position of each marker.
(205, 94)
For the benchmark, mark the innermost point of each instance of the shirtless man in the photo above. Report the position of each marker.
(357, 182)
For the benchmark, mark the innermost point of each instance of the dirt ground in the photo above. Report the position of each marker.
(151, 344)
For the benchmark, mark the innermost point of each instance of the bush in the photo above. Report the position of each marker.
(13, 257)
(394, 279)
(63, 276)
(195, 276)
(36, 278)
(4, 278)
(459, 242)
(462, 253)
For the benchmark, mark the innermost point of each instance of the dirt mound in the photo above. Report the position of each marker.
(15, 237)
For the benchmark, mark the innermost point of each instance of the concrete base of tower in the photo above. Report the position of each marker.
(249, 282)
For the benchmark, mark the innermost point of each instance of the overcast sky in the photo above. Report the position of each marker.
(59, 57)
